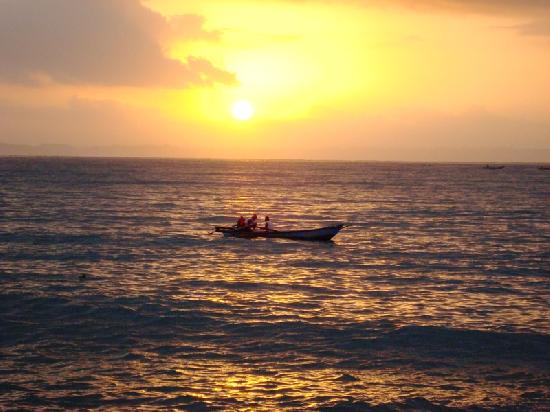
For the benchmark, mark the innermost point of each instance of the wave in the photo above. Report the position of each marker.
(53, 238)
(442, 342)
(126, 399)
(100, 317)
(414, 404)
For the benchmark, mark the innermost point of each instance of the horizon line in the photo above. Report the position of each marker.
(229, 159)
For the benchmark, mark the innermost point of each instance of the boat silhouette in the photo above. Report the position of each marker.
(321, 234)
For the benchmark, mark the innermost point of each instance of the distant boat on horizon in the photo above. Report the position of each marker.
(544, 167)
(494, 167)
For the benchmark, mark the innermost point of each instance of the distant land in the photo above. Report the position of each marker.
(428, 154)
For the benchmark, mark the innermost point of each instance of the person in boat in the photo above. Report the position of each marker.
(252, 223)
(268, 226)
(241, 222)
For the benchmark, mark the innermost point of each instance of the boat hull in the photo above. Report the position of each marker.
(321, 234)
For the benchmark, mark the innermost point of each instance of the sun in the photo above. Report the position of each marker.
(242, 110)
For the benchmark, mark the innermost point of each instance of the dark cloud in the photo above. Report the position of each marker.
(98, 42)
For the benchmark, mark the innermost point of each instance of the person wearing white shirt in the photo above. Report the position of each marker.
(252, 222)
(268, 224)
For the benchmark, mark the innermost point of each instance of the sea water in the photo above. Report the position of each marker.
(115, 293)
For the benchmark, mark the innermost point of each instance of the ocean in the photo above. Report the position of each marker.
(115, 293)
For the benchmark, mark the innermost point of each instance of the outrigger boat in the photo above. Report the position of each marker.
(321, 234)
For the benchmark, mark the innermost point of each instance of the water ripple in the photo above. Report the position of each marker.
(114, 293)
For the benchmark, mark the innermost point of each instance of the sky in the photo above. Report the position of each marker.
(410, 80)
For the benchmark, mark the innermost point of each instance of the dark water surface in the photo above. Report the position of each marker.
(438, 294)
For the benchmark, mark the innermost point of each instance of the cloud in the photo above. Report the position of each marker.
(98, 42)
(191, 26)
(538, 27)
(483, 6)
(82, 122)
(505, 6)
(107, 128)
(414, 135)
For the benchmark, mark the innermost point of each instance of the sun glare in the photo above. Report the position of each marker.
(242, 110)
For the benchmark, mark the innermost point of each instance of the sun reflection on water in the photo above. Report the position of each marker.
(438, 295)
